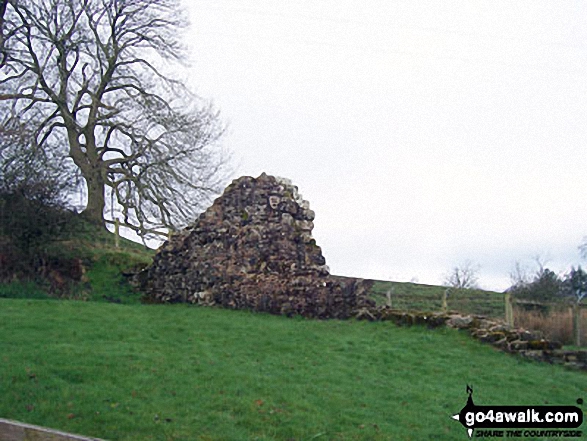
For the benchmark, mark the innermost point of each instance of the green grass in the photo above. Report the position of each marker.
(107, 282)
(162, 372)
(23, 290)
(420, 297)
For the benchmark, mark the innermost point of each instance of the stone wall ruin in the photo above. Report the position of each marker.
(518, 341)
(253, 249)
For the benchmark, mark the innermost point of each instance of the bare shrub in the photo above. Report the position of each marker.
(557, 324)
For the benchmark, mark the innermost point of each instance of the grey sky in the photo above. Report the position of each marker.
(423, 133)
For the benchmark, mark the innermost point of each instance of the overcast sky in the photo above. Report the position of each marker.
(423, 133)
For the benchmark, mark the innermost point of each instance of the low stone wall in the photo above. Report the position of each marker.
(528, 344)
(16, 431)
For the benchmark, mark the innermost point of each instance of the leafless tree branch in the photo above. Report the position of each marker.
(89, 74)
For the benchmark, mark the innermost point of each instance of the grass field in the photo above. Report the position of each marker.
(154, 372)
(429, 298)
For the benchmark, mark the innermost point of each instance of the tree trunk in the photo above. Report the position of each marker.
(94, 211)
(90, 165)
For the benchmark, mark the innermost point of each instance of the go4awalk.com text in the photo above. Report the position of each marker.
(533, 422)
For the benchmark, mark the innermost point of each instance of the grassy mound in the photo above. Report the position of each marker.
(174, 372)
(84, 263)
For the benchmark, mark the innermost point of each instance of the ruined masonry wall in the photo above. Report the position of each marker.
(253, 249)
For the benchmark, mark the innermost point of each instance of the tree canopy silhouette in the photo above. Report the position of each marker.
(92, 81)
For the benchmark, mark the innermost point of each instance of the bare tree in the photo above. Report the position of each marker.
(519, 275)
(90, 80)
(460, 277)
(541, 260)
(463, 276)
(537, 283)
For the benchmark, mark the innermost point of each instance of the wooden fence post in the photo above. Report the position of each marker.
(577, 323)
(117, 233)
(390, 291)
(445, 300)
(509, 309)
